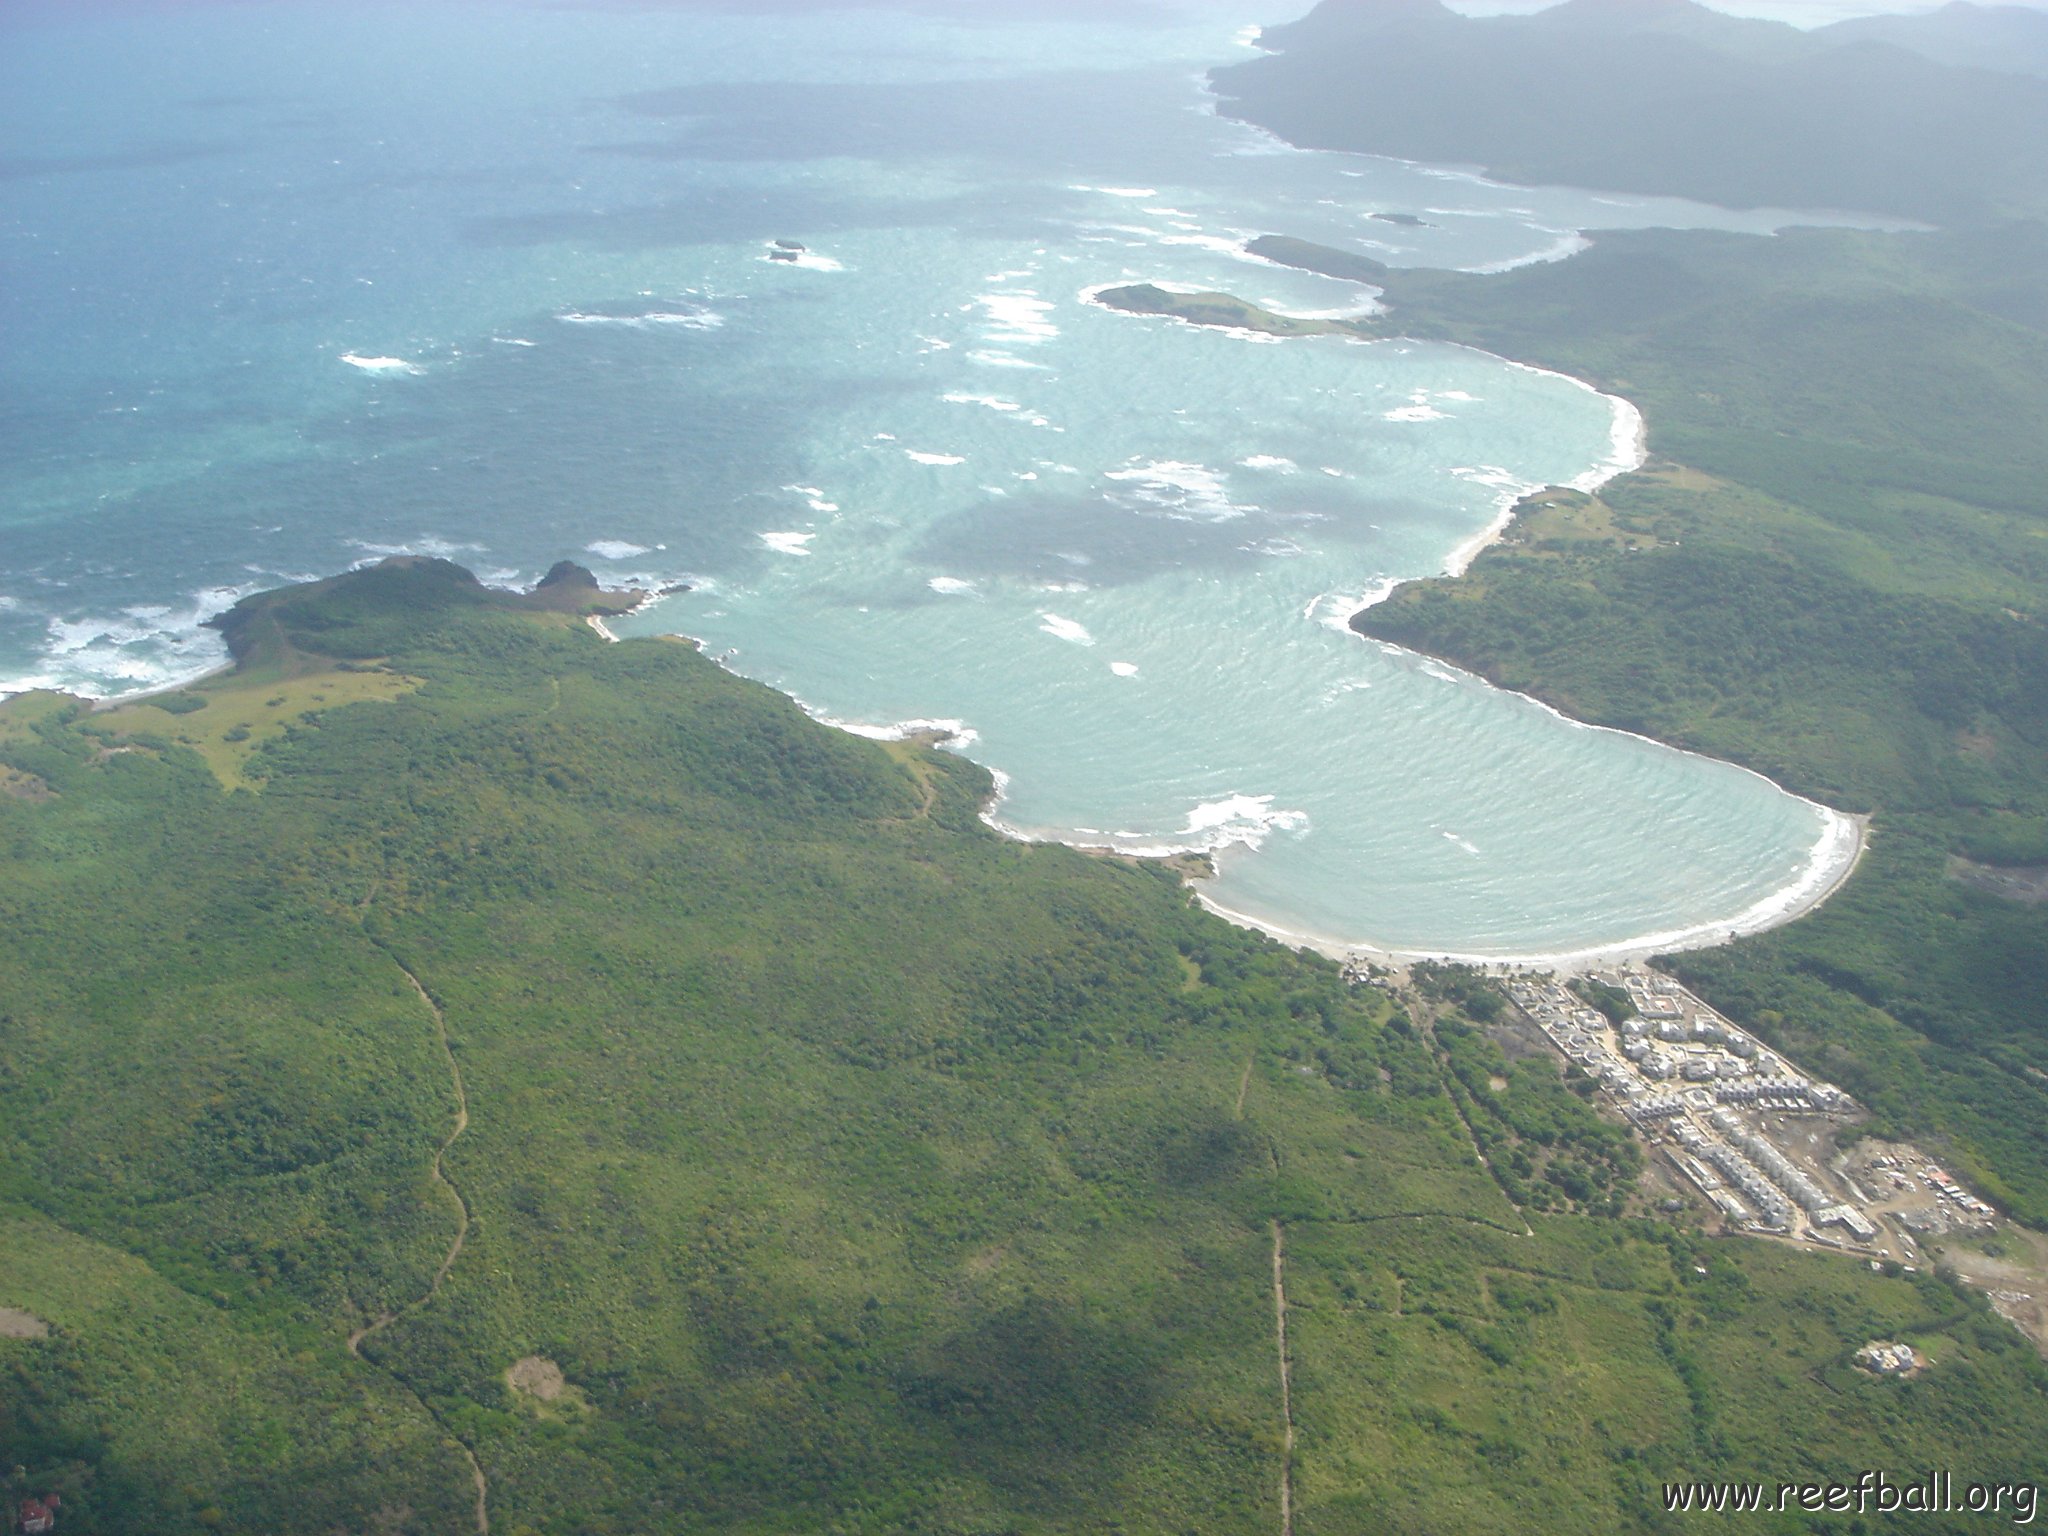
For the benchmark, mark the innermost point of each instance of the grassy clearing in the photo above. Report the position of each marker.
(236, 716)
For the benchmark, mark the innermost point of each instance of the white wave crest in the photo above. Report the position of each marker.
(933, 458)
(144, 648)
(430, 546)
(682, 319)
(380, 364)
(1179, 490)
(954, 734)
(1018, 318)
(989, 358)
(788, 543)
(1568, 242)
(1065, 629)
(1244, 820)
(808, 261)
(615, 549)
(953, 586)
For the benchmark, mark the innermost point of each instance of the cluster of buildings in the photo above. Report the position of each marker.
(1702, 1087)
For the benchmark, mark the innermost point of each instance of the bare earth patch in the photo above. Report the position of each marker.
(16, 785)
(537, 1378)
(2020, 882)
(16, 1324)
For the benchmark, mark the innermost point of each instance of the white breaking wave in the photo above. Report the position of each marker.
(1124, 668)
(145, 648)
(1270, 461)
(933, 458)
(955, 734)
(380, 364)
(808, 261)
(1508, 490)
(788, 543)
(1246, 820)
(682, 319)
(1178, 490)
(1065, 629)
(813, 497)
(1018, 318)
(1335, 610)
(990, 402)
(953, 586)
(992, 359)
(1421, 407)
(616, 549)
(431, 546)
(1568, 243)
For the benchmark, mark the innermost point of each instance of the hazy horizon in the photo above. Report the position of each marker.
(1798, 13)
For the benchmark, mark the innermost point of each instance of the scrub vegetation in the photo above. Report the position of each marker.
(831, 1163)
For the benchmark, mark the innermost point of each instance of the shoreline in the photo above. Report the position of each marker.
(102, 702)
(1836, 859)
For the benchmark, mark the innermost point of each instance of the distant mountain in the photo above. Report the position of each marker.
(1655, 96)
(2013, 38)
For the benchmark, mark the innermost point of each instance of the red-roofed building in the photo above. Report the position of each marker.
(40, 1515)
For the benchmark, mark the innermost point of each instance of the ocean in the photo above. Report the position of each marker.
(285, 288)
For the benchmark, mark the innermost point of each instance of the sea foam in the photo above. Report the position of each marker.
(1178, 490)
(681, 319)
(380, 364)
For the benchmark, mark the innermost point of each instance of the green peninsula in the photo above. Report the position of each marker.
(1222, 310)
(563, 1085)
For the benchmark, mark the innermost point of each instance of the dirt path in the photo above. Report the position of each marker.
(1286, 1381)
(440, 1175)
(1244, 1085)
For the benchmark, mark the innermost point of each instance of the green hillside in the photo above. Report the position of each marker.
(825, 1162)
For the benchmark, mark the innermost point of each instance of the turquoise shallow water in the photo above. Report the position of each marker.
(292, 289)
